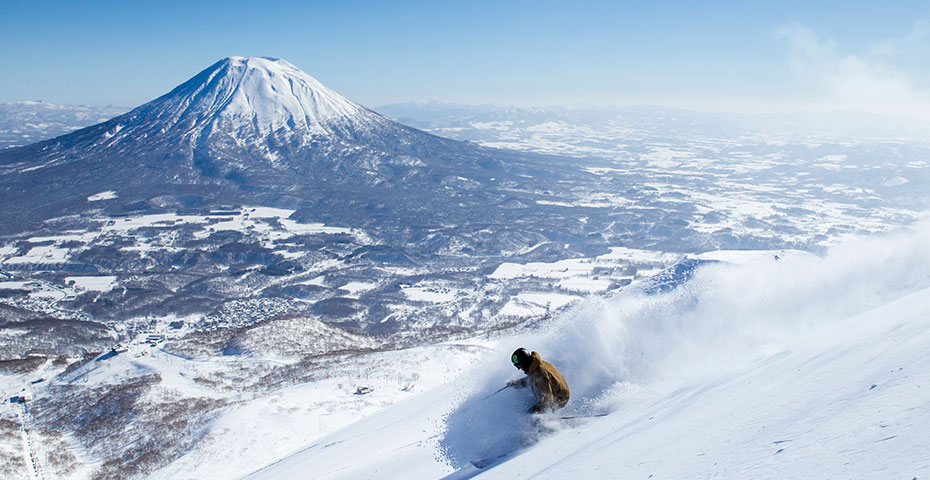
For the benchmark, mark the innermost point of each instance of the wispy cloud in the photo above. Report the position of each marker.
(914, 41)
(877, 78)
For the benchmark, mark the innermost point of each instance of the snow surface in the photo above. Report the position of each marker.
(108, 195)
(99, 283)
(804, 367)
(264, 94)
(42, 254)
(271, 225)
(262, 430)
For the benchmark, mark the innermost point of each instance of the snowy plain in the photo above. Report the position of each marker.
(802, 367)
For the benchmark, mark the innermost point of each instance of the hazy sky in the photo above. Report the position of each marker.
(737, 56)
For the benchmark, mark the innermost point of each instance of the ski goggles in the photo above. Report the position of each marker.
(515, 360)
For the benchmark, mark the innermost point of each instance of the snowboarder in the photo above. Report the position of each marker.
(548, 385)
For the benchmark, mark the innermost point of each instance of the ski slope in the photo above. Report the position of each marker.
(802, 367)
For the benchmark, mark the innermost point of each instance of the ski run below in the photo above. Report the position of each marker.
(802, 367)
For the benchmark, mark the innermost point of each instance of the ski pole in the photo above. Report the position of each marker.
(498, 391)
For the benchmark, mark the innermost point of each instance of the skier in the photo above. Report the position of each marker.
(548, 385)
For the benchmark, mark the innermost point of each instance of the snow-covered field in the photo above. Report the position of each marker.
(744, 176)
(801, 367)
(525, 290)
(270, 225)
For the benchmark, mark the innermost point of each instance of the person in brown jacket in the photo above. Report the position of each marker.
(550, 388)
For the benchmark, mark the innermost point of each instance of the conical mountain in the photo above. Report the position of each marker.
(247, 101)
(244, 130)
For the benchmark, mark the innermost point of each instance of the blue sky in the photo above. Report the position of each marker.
(740, 56)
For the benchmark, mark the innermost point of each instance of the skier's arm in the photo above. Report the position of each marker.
(521, 383)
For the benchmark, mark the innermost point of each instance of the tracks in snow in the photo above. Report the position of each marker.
(30, 449)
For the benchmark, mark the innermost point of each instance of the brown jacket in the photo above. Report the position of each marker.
(548, 385)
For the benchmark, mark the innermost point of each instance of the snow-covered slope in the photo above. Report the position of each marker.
(242, 127)
(237, 108)
(265, 92)
(804, 367)
(839, 404)
(246, 98)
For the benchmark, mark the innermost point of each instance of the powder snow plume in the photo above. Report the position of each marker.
(625, 349)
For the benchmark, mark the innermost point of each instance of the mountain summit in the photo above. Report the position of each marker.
(256, 95)
(266, 106)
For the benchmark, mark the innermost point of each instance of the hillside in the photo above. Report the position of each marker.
(737, 373)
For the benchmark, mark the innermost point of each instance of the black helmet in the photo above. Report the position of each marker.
(521, 358)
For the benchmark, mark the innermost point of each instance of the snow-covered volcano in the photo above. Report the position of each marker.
(239, 130)
(239, 107)
(263, 93)
(253, 97)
